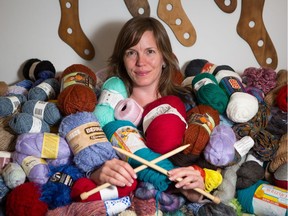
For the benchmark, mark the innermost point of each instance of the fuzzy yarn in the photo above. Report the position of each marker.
(281, 155)
(164, 124)
(46, 90)
(277, 124)
(259, 94)
(87, 140)
(13, 175)
(113, 91)
(77, 90)
(10, 103)
(21, 87)
(281, 98)
(26, 123)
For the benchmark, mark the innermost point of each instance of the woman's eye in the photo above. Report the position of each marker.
(130, 53)
(150, 51)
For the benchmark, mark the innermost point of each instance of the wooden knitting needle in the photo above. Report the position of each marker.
(165, 172)
(85, 195)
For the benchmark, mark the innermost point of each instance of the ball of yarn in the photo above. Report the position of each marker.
(113, 91)
(8, 136)
(84, 184)
(13, 175)
(44, 110)
(4, 190)
(212, 209)
(77, 90)
(10, 103)
(56, 191)
(280, 156)
(26, 123)
(21, 87)
(277, 124)
(128, 109)
(281, 99)
(208, 92)
(259, 94)
(164, 124)
(280, 176)
(46, 90)
(24, 199)
(3, 88)
(194, 67)
(87, 140)
(220, 149)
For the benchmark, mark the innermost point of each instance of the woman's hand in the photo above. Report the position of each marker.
(115, 172)
(187, 178)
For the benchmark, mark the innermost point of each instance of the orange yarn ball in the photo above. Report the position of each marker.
(77, 90)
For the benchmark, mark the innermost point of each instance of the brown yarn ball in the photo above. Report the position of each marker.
(280, 156)
(77, 90)
(3, 88)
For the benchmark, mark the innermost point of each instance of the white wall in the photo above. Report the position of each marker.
(29, 29)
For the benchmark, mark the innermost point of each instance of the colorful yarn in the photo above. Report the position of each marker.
(84, 184)
(44, 110)
(56, 192)
(113, 91)
(140, 207)
(10, 103)
(220, 149)
(26, 123)
(21, 87)
(259, 94)
(24, 200)
(280, 178)
(87, 140)
(211, 209)
(213, 179)
(281, 99)
(262, 78)
(128, 109)
(277, 124)
(77, 90)
(281, 155)
(167, 202)
(195, 67)
(208, 92)
(5, 158)
(164, 124)
(13, 175)
(125, 135)
(46, 90)
(4, 190)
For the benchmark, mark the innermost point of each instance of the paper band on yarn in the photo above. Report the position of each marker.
(116, 206)
(129, 139)
(48, 89)
(78, 78)
(84, 136)
(204, 120)
(39, 108)
(36, 125)
(231, 85)
(251, 157)
(5, 158)
(160, 110)
(110, 97)
(109, 193)
(203, 82)
(208, 67)
(270, 200)
(63, 178)
(32, 69)
(243, 145)
(29, 162)
(50, 146)
(14, 101)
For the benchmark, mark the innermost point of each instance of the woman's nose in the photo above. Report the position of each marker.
(140, 60)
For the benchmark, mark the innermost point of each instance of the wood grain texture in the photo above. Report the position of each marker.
(135, 7)
(227, 8)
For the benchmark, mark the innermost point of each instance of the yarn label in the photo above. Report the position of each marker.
(39, 108)
(129, 139)
(110, 97)
(63, 178)
(160, 110)
(231, 84)
(50, 146)
(270, 200)
(204, 120)
(208, 67)
(113, 207)
(48, 89)
(109, 193)
(85, 135)
(32, 69)
(15, 102)
(78, 78)
(203, 82)
(36, 125)
(29, 162)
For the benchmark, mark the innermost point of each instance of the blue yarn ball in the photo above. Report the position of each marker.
(46, 90)
(92, 156)
(46, 111)
(10, 103)
(26, 123)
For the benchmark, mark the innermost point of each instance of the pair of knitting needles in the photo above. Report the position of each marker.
(151, 164)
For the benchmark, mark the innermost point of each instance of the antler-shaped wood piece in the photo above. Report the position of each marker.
(227, 8)
(138, 7)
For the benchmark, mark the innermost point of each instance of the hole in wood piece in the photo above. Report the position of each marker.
(68, 5)
(186, 35)
(141, 11)
(227, 2)
(178, 21)
(169, 7)
(269, 61)
(251, 24)
(87, 52)
(69, 31)
(260, 43)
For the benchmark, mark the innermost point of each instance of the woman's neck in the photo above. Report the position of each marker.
(144, 96)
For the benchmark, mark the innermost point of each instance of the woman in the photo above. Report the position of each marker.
(144, 60)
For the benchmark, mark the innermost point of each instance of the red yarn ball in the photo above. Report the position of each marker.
(77, 90)
(166, 130)
(281, 99)
(25, 200)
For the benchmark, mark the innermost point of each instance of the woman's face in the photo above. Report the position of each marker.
(144, 62)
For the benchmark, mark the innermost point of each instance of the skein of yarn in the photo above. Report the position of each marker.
(164, 124)
(26, 123)
(46, 90)
(112, 92)
(77, 90)
(10, 103)
(281, 99)
(87, 140)
(21, 87)
(44, 110)
(13, 175)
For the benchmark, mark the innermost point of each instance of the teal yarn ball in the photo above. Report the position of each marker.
(10, 103)
(46, 90)
(44, 110)
(113, 90)
(208, 92)
(159, 180)
(26, 123)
